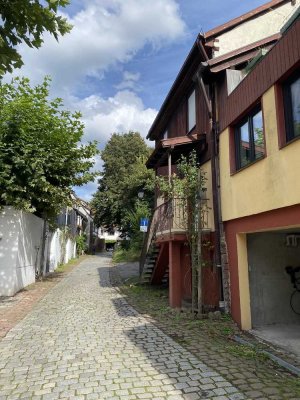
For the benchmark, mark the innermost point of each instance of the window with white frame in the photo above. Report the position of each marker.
(192, 111)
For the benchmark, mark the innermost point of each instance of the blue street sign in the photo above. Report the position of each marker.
(144, 222)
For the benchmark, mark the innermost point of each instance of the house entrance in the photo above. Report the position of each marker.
(271, 286)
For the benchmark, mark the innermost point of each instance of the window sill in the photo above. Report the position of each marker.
(248, 165)
(285, 144)
(191, 130)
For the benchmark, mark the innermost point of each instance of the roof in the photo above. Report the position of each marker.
(176, 145)
(242, 18)
(198, 53)
(241, 54)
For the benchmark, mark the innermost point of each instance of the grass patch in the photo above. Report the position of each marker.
(247, 352)
(126, 255)
(64, 268)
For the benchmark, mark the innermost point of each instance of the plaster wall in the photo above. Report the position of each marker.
(20, 249)
(255, 29)
(268, 184)
(56, 257)
(70, 250)
(20, 245)
(60, 253)
(270, 286)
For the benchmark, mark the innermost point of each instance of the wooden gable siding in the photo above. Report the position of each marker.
(281, 59)
(178, 123)
(202, 114)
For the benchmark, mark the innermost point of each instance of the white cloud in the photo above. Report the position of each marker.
(130, 81)
(102, 117)
(121, 113)
(104, 33)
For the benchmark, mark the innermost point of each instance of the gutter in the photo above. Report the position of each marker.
(290, 367)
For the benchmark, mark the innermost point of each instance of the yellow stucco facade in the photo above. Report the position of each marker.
(242, 252)
(268, 184)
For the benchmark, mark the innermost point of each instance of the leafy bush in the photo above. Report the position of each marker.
(81, 246)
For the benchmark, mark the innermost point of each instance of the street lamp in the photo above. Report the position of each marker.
(141, 194)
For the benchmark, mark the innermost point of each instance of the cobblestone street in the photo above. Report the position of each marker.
(83, 341)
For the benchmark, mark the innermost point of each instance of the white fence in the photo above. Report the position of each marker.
(21, 243)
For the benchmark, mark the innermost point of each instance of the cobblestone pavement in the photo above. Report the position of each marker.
(83, 341)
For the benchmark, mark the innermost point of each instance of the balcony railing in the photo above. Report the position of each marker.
(167, 218)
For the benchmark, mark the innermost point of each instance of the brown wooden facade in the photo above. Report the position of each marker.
(273, 67)
(215, 111)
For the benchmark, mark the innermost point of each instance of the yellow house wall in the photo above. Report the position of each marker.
(268, 184)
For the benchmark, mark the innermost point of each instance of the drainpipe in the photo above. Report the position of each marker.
(211, 103)
(221, 259)
(215, 188)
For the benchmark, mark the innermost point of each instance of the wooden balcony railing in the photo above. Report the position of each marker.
(167, 218)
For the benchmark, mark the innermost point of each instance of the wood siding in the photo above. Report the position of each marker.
(178, 122)
(280, 60)
(177, 125)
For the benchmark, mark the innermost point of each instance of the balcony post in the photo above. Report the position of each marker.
(175, 294)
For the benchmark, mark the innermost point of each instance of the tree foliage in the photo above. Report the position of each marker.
(26, 21)
(41, 157)
(124, 175)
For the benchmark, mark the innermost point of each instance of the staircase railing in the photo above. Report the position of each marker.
(160, 221)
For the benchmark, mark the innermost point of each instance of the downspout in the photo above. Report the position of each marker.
(211, 103)
(215, 188)
(212, 113)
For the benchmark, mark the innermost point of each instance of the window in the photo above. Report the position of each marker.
(165, 135)
(192, 111)
(249, 139)
(291, 98)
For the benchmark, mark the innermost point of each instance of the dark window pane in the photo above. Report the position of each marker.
(245, 145)
(295, 99)
(258, 134)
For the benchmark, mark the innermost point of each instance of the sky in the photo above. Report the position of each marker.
(121, 58)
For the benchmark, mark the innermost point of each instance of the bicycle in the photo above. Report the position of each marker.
(295, 296)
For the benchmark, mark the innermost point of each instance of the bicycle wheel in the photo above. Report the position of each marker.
(295, 302)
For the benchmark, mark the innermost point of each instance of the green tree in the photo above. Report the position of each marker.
(41, 157)
(124, 175)
(26, 21)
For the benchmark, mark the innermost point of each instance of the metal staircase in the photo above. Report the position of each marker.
(149, 265)
(160, 221)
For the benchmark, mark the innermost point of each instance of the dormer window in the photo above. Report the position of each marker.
(192, 111)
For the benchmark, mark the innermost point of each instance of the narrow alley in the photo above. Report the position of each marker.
(83, 341)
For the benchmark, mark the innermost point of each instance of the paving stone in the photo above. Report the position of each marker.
(83, 341)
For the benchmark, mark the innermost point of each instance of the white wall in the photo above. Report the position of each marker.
(255, 29)
(20, 249)
(55, 253)
(60, 253)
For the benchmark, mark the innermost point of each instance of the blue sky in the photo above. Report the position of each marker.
(122, 56)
